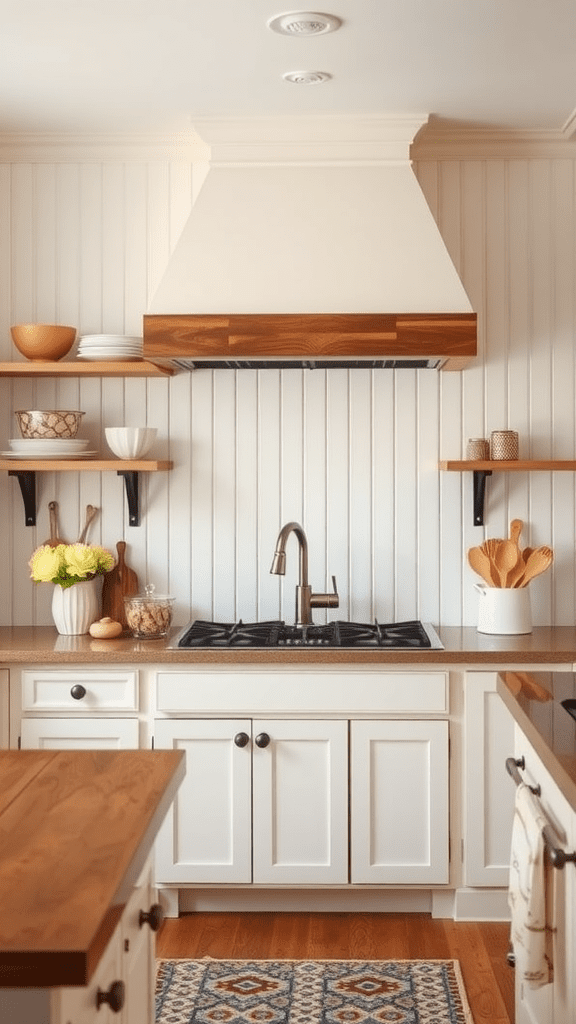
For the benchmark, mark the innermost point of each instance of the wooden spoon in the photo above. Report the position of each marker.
(515, 530)
(55, 540)
(480, 562)
(91, 511)
(505, 560)
(539, 560)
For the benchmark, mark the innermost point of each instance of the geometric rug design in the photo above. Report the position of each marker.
(310, 992)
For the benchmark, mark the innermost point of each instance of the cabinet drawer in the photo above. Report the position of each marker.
(49, 690)
(305, 691)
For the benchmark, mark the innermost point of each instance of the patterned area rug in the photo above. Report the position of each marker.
(311, 992)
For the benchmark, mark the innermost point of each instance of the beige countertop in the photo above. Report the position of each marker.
(463, 646)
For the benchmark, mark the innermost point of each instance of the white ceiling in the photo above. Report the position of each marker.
(155, 65)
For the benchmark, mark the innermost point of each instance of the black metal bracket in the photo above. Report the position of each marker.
(479, 483)
(27, 480)
(131, 480)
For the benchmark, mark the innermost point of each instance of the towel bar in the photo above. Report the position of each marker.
(557, 856)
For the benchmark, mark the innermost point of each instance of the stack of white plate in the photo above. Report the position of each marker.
(110, 347)
(48, 448)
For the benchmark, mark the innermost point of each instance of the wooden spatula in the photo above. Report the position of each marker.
(480, 562)
(91, 512)
(55, 540)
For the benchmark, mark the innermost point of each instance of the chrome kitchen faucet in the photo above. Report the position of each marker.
(305, 599)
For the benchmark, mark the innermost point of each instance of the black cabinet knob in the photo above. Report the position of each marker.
(241, 739)
(114, 997)
(78, 691)
(153, 917)
(262, 739)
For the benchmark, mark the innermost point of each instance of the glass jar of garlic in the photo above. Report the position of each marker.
(148, 615)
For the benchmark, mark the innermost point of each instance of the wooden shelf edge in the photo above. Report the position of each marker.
(89, 368)
(91, 465)
(507, 466)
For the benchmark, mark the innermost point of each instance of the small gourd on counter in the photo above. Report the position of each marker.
(106, 628)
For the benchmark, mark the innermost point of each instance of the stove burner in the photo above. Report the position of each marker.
(274, 633)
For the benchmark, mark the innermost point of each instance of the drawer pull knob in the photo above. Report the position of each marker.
(153, 917)
(262, 739)
(241, 739)
(114, 997)
(78, 691)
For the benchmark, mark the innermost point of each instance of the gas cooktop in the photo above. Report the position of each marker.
(275, 633)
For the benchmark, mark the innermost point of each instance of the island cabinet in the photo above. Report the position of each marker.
(554, 1003)
(314, 777)
(76, 883)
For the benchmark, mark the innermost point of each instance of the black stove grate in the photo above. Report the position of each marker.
(275, 633)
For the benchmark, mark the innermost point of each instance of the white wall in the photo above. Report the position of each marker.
(350, 454)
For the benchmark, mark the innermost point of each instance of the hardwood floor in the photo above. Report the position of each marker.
(480, 947)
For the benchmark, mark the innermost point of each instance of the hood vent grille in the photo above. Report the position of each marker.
(307, 364)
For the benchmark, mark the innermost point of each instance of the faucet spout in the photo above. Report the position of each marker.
(305, 599)
(279, 560)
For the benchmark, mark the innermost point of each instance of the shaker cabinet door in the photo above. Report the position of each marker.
(399, 802)
(300, 807)
(79, 733)
(207, 834)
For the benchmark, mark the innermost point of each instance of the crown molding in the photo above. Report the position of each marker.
(438, 141)
(297, 140)
(100, 148)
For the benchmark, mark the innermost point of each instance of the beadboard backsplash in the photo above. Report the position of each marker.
(351, 454)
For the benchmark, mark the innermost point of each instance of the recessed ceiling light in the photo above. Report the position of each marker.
(306, 77)
(304, 23)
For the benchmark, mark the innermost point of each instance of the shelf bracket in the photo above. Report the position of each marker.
(131, 480)
(27, 480)
(479, 484)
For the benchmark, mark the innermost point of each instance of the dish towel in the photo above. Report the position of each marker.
(527, 892)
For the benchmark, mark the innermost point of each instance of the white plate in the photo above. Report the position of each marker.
(45, 455)
(27, 443)
(110, 357)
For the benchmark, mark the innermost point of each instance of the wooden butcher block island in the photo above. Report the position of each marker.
(76, 832)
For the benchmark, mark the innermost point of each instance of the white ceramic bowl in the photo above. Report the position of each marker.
(130, 442)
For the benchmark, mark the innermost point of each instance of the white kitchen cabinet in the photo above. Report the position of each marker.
(262, 801)
(399, 802)
(79, 733)
(554, 1003)
(488, 804)
(79, 708)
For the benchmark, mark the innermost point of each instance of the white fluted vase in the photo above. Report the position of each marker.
(75, 608)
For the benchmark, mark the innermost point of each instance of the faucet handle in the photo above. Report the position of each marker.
(326, 600)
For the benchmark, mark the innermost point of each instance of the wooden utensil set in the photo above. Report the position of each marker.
(501, 563)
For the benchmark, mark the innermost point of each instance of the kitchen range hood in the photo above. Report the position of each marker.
(310, 243)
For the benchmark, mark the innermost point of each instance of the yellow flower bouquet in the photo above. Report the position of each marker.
(68, 564)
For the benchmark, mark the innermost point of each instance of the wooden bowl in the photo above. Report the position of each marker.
(43, 342)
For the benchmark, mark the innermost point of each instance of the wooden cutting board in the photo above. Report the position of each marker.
(119, 582)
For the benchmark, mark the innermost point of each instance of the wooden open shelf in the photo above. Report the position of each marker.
(485, 467)
(25, 472)
(87, 368)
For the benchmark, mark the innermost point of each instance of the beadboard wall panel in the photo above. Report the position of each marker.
(351, 454)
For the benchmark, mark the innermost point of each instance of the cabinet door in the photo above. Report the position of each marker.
(488, 802)
(300, 805)
(399, 802)
(555, 1002)
(79, 733)
(207, 833)
(138, 955)
(80, 1005)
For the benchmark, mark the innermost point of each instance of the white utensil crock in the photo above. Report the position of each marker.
(503, 609)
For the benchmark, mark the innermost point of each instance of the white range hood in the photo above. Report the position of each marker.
(310, 243)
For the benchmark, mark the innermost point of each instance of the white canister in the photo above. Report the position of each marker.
(503, 610)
